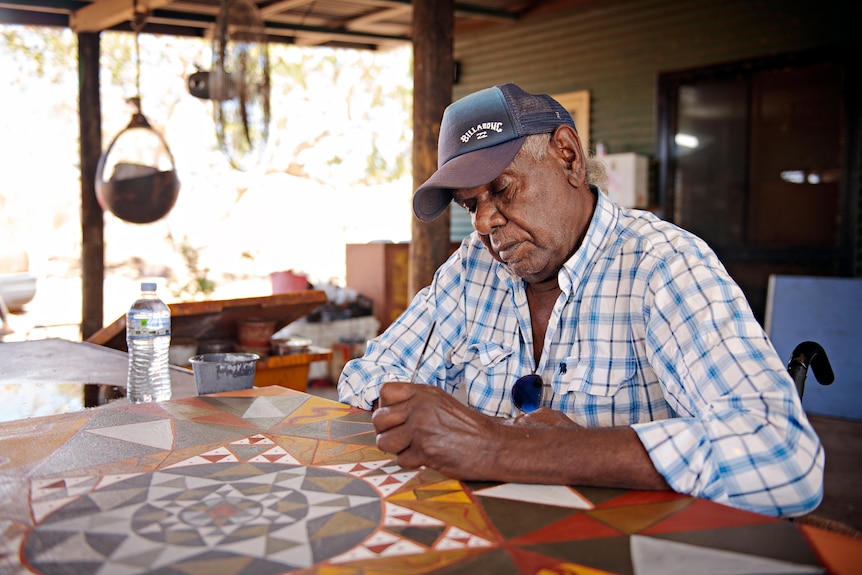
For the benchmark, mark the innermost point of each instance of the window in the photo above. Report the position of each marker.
(753, 159)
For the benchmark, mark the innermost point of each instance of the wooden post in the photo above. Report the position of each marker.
(92, 216)
(433, 70)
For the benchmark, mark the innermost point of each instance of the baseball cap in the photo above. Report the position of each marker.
(480, 135)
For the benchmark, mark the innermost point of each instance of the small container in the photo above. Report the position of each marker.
(254, 331)
(217, 372)
(290, 345)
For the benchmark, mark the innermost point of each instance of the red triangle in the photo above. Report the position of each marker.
(390, 480)
(573, 527)
(706, 515)
(641, 497)
(530, 562)
(380, 547)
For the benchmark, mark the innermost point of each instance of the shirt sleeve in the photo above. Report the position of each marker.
(388, 357)
(395, 354)
(741, 436)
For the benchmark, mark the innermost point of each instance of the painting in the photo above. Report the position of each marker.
(578, 105)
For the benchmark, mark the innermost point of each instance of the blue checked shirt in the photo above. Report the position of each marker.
(649, 331)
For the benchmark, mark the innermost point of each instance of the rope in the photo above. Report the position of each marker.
(139, 18)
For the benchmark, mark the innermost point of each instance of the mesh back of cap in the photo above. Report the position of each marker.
(534, 113)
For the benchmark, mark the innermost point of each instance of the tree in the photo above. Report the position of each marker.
(339, 118)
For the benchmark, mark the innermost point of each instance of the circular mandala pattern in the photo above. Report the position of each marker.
(282, 516)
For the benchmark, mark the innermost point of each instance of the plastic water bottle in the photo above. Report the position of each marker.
(148, 337)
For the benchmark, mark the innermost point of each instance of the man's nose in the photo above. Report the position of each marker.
(487, 217)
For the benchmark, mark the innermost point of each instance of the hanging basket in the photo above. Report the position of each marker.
(141, 184)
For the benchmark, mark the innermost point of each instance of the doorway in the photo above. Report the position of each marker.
(755, 158)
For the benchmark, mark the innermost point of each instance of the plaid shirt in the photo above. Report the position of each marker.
(649, 331)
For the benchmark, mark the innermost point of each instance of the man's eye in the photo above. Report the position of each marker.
(470, 207)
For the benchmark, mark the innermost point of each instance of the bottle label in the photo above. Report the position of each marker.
(149, 327)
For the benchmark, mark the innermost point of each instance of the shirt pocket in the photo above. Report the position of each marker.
(599, 377)
(486, 375)
(490, 354)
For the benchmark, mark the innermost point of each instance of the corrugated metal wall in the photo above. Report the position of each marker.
(616, 49)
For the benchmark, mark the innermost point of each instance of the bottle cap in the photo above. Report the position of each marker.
(148, 286)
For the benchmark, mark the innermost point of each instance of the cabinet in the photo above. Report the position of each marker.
(379, 271)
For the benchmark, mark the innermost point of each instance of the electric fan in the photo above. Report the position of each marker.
(238, 83)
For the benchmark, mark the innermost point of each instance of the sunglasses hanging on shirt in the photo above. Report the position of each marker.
(527, 393)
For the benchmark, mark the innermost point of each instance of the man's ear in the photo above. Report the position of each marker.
(568, 145)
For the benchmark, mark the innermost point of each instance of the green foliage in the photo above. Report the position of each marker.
(49, 53)
(197, 285)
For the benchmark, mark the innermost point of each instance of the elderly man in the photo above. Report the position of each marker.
(594, 345)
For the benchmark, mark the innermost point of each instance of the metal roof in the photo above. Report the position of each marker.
(367, 24)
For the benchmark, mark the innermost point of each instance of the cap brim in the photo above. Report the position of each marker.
(466, 171)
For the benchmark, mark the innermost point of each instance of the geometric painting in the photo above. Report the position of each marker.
(270, 480)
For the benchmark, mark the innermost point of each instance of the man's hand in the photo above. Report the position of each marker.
(423, 425)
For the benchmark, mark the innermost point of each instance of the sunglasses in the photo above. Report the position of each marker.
(527, 393)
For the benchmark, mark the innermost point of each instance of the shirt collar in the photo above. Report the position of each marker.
(598, 237)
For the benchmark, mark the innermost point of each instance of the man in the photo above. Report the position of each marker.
(645, 359)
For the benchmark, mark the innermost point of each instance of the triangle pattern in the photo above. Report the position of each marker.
(635, 518)
(316, 408)
(395, 515)
(380, 544)
(359, 468)
(258, 439)
(661, 557)
(275, 454)
(158, 434)
(573, 527)
(263, 408)
(558, 495)
(389, 484)
(704, 514)
(45, 488)
(457, 538)
(529, 562)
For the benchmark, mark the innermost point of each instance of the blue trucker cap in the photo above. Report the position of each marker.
(480, 135)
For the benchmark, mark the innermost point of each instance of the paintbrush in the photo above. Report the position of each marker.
(421, 355)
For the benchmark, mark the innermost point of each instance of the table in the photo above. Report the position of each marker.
(272, 480)
(48, 376)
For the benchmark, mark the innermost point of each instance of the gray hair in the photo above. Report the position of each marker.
(537, 146)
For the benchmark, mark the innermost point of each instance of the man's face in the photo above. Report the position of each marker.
(530, 217)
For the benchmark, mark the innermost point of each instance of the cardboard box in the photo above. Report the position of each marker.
(627, 179)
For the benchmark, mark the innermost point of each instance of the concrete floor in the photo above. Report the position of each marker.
(842, 497)
(842, 440)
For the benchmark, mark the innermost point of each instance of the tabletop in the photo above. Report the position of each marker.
(271, 480)
(48, 376)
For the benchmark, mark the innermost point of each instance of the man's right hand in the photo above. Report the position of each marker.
(423, 425)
